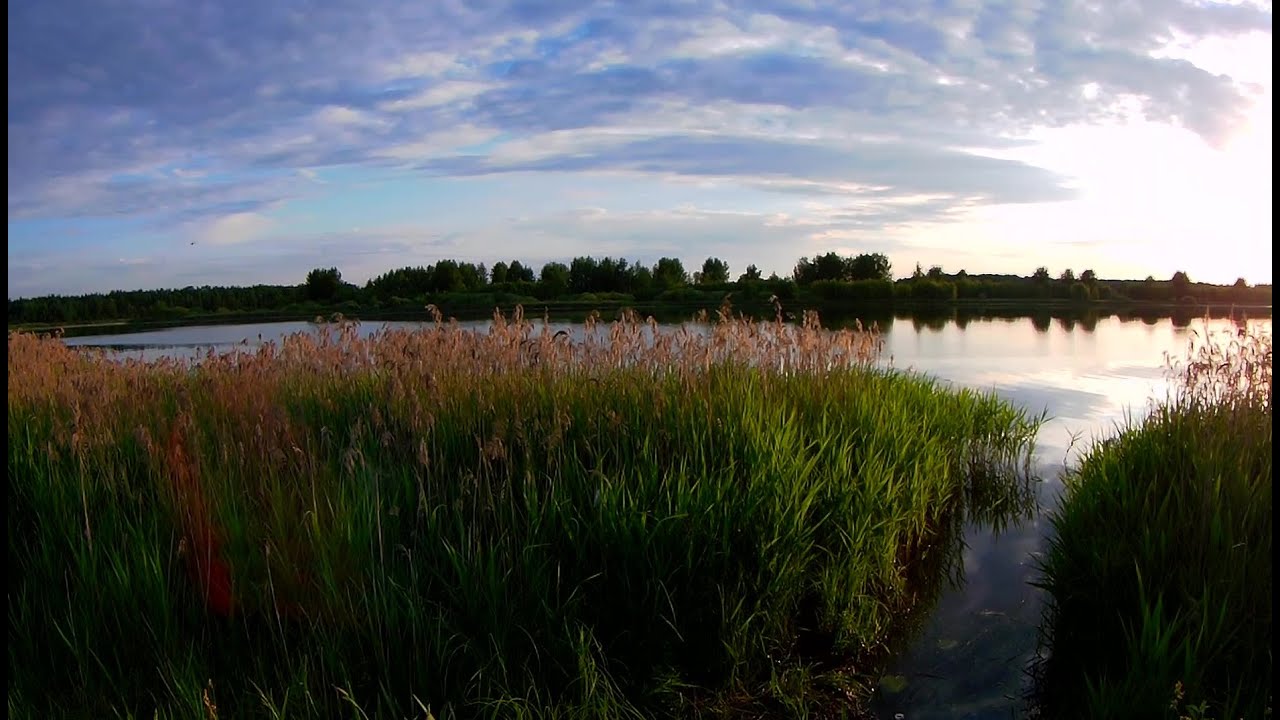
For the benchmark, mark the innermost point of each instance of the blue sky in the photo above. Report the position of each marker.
(163, 143)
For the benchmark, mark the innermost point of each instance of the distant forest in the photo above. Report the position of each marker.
(830, 279)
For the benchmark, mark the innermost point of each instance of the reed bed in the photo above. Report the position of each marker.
(1159, 573)
(445, 523)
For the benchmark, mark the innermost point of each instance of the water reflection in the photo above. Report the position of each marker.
(931, 322)
(994, 506)
(969, 658)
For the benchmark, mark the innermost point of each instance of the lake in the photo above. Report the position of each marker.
(969, 658)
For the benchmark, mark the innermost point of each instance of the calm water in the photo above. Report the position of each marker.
(969, 659)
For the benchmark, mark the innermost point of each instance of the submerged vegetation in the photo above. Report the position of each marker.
(736, 519)
(1159, 573)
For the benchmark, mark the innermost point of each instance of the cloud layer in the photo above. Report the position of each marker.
(201, 120)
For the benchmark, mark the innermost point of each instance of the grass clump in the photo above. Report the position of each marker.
(1159, 573)
(733, 518)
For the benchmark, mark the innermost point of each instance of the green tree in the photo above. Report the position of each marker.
(870, 266)
(518, 272)
(474, 277)
(830, 266)
(641, 281)
(751, 275)
(498, 275)
(918, 273)
(714, 272)
(613, 276)
(1088, 277)
(935, 272)
(1041, 275)
(323, 284)
(1067, 276)
(583, 272)
(554, 280)
(669, 273)
(1181, 283)
(804, 272)
(446, 276)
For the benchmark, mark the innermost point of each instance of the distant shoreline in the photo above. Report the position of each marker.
(608, 310)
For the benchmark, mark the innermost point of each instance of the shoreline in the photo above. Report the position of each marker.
(573, 310)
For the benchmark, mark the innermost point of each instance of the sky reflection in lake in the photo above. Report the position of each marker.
(969, 659)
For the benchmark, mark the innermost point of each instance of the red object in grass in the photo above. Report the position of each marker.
(206, 566)
(211, 575)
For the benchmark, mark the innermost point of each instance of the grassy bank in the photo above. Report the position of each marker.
(503, 525)
(1160, 569)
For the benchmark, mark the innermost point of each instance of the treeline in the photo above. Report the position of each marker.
(829, 279)
(154, 304)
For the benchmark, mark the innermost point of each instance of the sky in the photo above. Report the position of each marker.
(166, 143)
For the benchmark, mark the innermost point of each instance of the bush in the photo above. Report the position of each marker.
(690, 296)
(926, 289)
(1159, 573)
(837, 290)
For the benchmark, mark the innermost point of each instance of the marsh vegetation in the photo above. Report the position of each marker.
(1159, 571)
(739, 521)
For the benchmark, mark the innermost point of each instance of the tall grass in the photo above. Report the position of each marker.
(1159, 573)
(447, 523)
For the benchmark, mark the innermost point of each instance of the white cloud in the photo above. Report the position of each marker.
(436, 144)
(235, 229)
(421, 64)
(442, 93)
(341, 116)
(758, 32)
(871, 123)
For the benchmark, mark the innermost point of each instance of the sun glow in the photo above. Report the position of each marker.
(1154, 198)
